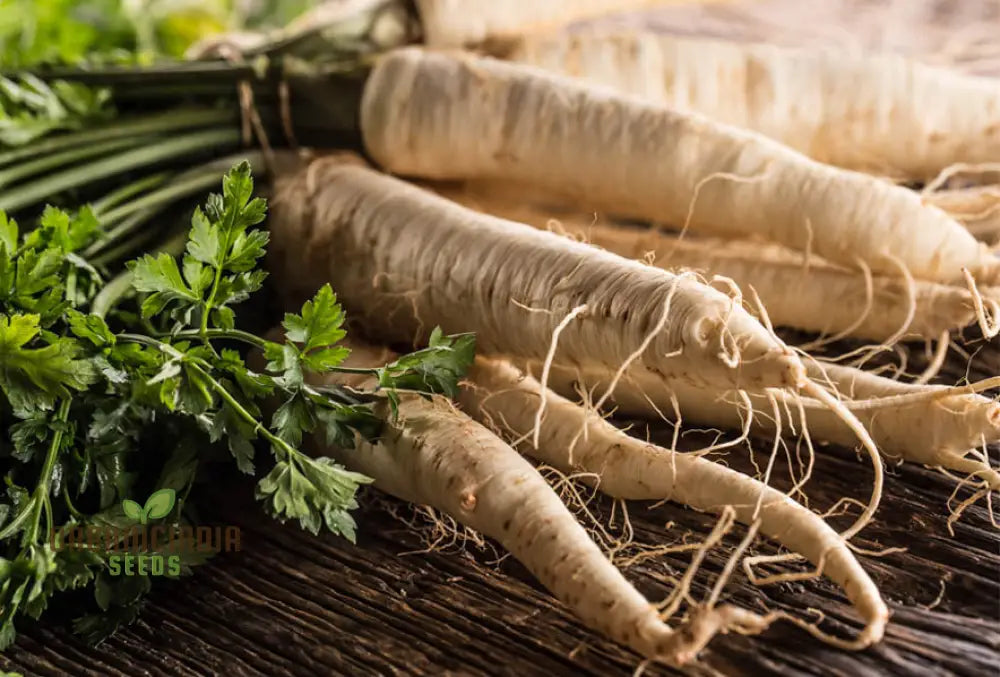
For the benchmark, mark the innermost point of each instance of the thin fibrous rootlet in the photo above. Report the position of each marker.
(406, 260)
(436, 456)
(881, 113)
(828, 299)
(455, 461)
(945, 433)
(449, 116)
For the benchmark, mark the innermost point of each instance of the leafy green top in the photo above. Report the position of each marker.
(124, 31)
(31, 108)
(109, 407)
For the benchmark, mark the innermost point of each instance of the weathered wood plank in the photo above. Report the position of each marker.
(293, 604)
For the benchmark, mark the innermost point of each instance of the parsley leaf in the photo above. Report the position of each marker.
(101, 410)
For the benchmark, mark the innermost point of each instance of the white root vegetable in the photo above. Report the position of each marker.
(434, 455)
(470, 23)
(573, 440)
(936, 433)
(880, 113)
(977, 208)
(441, 116)
(404, 261)
(828, 299)
(815, 296)
(933, 432)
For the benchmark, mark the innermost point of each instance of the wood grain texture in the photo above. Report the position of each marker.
(292, 604)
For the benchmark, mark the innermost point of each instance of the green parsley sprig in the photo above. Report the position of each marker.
(104, 407)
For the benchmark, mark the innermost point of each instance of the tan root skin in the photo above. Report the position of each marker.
(880, 113)
(471, 23)
(448, 116)
(437, 456)
(978, 208)
(934, 433)
(622, 466)
(572, 440)
(404, 261)
(828, 299)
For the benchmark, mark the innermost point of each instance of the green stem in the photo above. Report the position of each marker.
(169, 121)
(279, 444)
(128, 191)
(72, 508)
(16, 523)
(198, 183)
(41, 496)
(196, 142)
(356, 370)
(110, 293)
(102, 251)
(207, 307)
(231, 334)
(71, 286)
(66, 158)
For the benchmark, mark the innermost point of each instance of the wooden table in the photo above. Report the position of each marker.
(292, 604)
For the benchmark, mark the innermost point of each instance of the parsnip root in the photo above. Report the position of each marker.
(455, 117)
(624, 467)
(434, 455)
(880, 113)
(828, 299)
(934, 433)
(471, 23)
(400, 259)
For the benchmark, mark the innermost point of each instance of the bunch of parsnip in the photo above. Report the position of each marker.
(517, 233)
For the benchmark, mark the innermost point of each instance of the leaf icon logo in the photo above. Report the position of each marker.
(158, 505)
(133, 511)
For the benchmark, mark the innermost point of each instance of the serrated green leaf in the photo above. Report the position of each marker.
(435, 369)
(160, 275)
(91, 327)
(203, 240)
(320, 322)
(32, 377)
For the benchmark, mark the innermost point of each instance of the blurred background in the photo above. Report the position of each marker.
(71, 31)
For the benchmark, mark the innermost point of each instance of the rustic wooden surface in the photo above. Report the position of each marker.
(293, 604)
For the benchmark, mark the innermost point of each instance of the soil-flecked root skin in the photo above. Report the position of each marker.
(454, 117)
(404, 261)
(434, 455)
(880, 113)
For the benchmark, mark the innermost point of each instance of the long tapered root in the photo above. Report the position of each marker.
(881, 113)
(868, 306)
(399, 259)
(932, 425)
(624, 467)
(475, 23)
(436, 456)
(456, 117)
